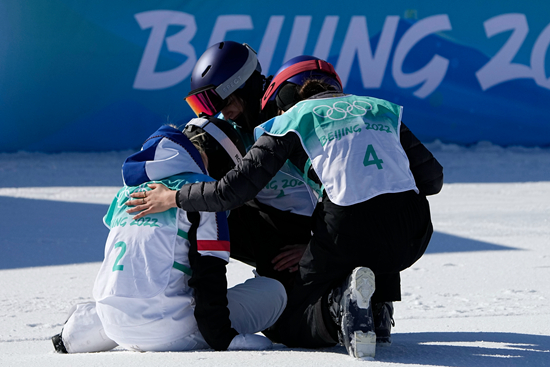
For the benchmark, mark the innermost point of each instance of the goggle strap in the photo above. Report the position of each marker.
(220, 137)
(308, 65)
(240, 77)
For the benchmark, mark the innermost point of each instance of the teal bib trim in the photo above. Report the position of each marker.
(182, 234)
(314, 186)
(183, 268)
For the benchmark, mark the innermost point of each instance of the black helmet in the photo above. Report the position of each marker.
(283, 88)
(221, 70)
(219, 140)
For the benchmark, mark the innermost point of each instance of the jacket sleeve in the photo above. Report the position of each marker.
(427, 172)
(208, 259)
(245, 181)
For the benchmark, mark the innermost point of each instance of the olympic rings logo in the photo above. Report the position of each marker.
(341, 109)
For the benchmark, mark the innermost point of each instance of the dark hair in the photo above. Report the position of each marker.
(312, 87)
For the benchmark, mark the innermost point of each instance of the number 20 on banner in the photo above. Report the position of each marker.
(500, 68)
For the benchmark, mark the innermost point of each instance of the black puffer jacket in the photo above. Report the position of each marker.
(267, 156)
(427, 172)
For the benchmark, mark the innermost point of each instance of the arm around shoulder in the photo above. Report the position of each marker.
(244, 182)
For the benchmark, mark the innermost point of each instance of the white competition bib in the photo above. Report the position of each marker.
(288, 192)
(138, 254)
(353, 145)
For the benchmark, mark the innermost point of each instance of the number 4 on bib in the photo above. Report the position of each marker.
(371, 153)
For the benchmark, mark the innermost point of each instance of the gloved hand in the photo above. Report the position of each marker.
(250, 342)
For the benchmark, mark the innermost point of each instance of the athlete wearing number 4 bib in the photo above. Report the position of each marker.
(162, 285)
(372, 219)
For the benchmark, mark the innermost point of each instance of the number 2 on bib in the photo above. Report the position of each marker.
(122, 251)
(371, 158)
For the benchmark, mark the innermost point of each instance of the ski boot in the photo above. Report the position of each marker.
(58, 345)
(383, 322)
(353, 315)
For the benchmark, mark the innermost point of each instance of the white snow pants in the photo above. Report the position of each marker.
(253, 305)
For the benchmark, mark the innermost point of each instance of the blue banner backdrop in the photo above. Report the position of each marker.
(101, 75)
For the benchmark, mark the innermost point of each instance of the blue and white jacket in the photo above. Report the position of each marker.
(163, 276)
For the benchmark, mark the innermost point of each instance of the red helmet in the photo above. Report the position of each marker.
(299, 69)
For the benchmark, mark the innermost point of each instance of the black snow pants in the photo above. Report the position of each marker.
(387, 233)
(258, 232)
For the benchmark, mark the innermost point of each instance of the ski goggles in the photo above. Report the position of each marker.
(283, 76)
(211, 99)
(206, 101)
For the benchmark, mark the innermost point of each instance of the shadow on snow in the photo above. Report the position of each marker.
(44, 232)
(468, 349)
(462, 349)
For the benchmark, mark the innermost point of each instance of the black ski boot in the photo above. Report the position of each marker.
(58, 345)
(351, 310)
(383, 322)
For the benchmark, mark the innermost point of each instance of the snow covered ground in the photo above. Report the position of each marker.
(479, 297)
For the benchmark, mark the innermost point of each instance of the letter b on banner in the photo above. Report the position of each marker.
(159, 20)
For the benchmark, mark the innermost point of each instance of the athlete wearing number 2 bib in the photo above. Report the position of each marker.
(372, 219)
(162, 284)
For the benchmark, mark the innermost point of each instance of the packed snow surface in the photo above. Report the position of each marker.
(480, 296)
